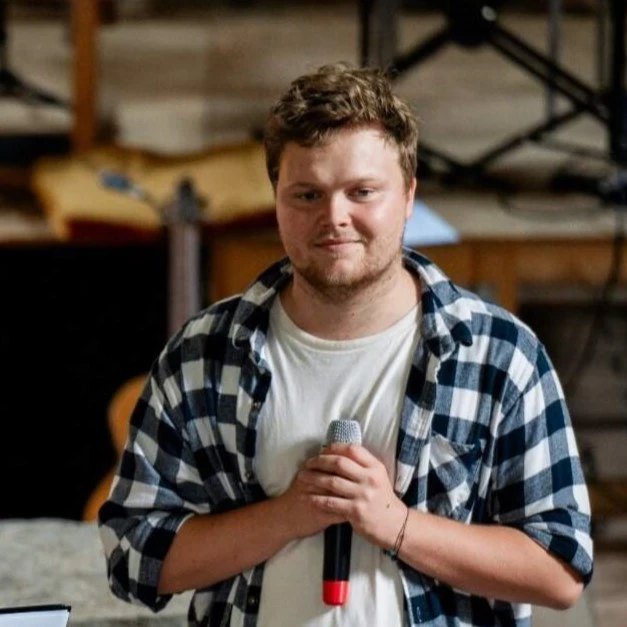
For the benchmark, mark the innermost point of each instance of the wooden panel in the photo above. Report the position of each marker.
(457, 261)
(496, 266)
(575, 262)
(237, 260)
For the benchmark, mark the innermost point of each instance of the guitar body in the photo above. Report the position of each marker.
(118, 416)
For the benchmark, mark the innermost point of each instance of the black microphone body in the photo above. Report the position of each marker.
(338, 538)
(337, 563)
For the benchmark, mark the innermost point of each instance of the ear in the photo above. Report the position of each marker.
(411, 197)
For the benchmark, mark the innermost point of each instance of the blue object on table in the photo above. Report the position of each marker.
(426, 227)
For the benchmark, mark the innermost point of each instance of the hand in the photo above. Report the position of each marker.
(348, 481)
(300, 511)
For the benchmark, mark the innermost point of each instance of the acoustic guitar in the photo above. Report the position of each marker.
(118, 415)
(182, 219)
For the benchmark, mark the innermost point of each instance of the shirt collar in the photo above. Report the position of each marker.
(446, 315)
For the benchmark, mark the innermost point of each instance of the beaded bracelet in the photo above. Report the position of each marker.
(400, 537)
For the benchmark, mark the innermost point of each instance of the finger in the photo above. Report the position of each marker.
(335, 465)
(328, 484)
(309, 482)
(359, 454)
(333, 505)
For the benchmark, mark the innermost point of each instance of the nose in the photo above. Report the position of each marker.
(335, 211)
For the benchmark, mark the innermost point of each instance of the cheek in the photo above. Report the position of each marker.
(380, 223)
(293, 226)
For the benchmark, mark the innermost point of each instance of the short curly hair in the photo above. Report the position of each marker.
(335, 97)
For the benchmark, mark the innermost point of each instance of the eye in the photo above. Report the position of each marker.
(308, 196)
(362, 193)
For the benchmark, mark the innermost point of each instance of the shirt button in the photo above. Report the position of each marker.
(250, 476)
(257, 405)
(253, 601)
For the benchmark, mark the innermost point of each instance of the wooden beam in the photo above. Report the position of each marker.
(85, 22)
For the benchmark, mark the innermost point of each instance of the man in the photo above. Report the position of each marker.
(466, 499)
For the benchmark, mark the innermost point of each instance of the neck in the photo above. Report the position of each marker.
(346, 316)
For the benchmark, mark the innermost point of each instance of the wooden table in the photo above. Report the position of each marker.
(496, 250)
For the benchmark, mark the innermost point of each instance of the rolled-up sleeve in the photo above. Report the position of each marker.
(156, 489)
(539, 482)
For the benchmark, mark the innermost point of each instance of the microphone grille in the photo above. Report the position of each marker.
(343, 431)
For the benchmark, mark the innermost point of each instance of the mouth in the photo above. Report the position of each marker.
(337, 245)
(337, 242)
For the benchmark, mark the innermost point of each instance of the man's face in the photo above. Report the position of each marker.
(341, 210)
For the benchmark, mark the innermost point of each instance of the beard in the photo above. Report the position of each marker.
(337, 284)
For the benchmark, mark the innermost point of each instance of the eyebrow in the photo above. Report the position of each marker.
(364, 180)
(298, 184)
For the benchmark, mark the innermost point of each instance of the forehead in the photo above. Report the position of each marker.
(358, 152)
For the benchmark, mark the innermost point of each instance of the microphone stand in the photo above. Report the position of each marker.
(182, 219)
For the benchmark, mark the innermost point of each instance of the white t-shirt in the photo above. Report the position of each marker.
(315, 381)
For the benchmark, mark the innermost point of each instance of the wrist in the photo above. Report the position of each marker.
(280, 520)
(401, 535)
(397, 543)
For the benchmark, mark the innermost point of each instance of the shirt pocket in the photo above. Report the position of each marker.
(453, 472)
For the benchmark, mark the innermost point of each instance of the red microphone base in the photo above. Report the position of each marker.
(335, 592)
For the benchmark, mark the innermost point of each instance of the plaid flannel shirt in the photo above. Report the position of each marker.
(485, 437)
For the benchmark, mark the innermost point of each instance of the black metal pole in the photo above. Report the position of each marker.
(365, 10)
(618, 126)
(3, 35)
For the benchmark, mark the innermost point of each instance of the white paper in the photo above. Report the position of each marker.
(35, 616)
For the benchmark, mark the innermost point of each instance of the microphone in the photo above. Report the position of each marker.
(337, 538)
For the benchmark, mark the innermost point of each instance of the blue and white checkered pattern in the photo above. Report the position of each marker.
(485, 438)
